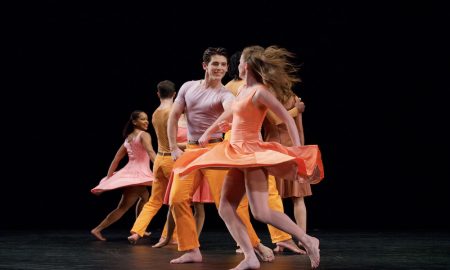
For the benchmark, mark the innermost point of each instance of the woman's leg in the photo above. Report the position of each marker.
(300, 212)
(143, 199)
(256, 186)
(129, 197)
(199, 215)
(232, 192)
(170, 223)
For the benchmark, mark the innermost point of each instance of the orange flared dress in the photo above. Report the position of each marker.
(246, 149)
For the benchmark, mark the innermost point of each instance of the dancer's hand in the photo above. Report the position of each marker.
(224, 126)
(176, 153)
(300, 105)
(203, 141)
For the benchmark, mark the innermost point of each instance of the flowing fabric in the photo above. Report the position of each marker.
(136, 172)
(245, 149)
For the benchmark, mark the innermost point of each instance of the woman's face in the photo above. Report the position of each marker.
(142, 122)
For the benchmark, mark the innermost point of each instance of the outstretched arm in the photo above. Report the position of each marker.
(117, 158)
(146, 141)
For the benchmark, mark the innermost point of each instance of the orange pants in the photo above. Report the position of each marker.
(180, 201)
(162, 168)
(181, 197)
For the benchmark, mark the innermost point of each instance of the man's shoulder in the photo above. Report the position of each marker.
(190, 84)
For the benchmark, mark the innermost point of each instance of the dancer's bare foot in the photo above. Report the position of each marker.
(133, 239)
(191, 256)
(313, 251)
(288, 244)
(300, 245)
(248, 263)
(163, 241)
(264, 253)
(147, 234)
(97, 234)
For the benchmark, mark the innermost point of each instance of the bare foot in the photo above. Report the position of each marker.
(264, 253)
(248, 263)
(133, 239)
(313, 251)
(147, 234)
(288, 244)
(97, 234)
(300, 245)
(192, 256)
(163, 241)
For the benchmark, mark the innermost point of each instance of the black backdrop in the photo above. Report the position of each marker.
(372, 79)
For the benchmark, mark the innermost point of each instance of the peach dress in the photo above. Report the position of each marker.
(246, 149)
(135, 172)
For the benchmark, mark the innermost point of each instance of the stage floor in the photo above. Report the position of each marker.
(75, 249)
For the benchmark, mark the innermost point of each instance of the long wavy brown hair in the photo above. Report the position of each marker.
(272, 67)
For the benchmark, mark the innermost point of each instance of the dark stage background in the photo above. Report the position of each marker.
(373, 75)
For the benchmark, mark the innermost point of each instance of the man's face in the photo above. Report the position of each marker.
(217, 67)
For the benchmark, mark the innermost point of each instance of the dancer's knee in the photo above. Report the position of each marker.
(261, 215)
(225, 211)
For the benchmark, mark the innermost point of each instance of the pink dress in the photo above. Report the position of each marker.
(182, 135)
(246, 149)
(136, 172)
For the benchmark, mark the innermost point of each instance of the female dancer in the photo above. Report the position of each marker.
(134, 177)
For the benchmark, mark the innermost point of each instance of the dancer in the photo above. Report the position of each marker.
(203, 102)
(134, 177)
(268, 75)
(281, 239)
(275, 130)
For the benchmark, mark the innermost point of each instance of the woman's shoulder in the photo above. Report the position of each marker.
(261, 89)
(143, 135)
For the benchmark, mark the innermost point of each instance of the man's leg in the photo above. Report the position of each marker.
(180, 200)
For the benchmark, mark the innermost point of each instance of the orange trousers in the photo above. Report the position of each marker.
(162, 168)
(180, 201)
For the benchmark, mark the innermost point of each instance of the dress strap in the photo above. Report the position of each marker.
(139, 134)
